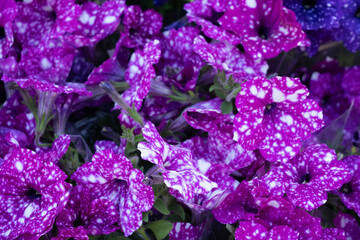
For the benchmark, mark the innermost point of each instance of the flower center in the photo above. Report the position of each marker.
(357, 13)
(77, 222)
(305, 178)
(2, 33)
(33, 194)
(270, 107)
(53, 15)
(263, 32)
(309, 4)
(356, 139)
(346, 188)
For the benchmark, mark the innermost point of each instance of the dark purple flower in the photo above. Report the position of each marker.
(176, 165)
(349, 30)
(39, 21)
(223, 56)
(95, 215)
(306, 178)
(257, 231)
(333, 233)
(179, 64)
(77, 233)
(112, 177)
(276, 211)
(349, 224)
(140, 27)
(350, 191)
(316, 14)
(264, 28)
(33, 192)
(7, 14)
(274, 116)
(206, 15)
(96, 22)
(184, 230)
(238, 205)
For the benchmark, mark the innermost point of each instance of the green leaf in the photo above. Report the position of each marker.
(160, 228)
(160, 205)
(145, 216)
(176, 208)
(226, 107)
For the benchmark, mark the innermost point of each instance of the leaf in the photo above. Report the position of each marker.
(226, 107)
(145, 216)
(176, 208)
(160, 228)
(160, 205)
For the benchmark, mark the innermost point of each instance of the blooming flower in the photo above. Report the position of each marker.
(96, 216)
(306, 178)
(112, 177)
(274, 116)
(349, 224)
(314, 15)
(7, 14)
(350, 191)
(183, 230)
(349, 29)
(175, 164)
(32, 194)
(224, 56)
(264, 28)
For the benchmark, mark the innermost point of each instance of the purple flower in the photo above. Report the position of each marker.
(224, 56)
(95, 215)
(96, 22)
(306, 178)
(274, 116)
(333, 233)
(175, 164)
(276, 211)
(179, 64)
(7, 14)
(140, 27)
(206, 15)
(112, 177)
(349, 224)
(350, 191)
(39, 21)
(257, 231)
(264, 28)
(77, 233)
(184, 230)
(316, 14)
(238, 205)
(103, 144)
(33, 192)
(349, 30)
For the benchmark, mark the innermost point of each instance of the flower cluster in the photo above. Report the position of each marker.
(200, 120)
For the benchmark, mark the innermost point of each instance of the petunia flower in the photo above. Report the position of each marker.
(223, 56)
(77, 233)
(238, 205)
(7, 15)
(263, 28)
(349, 224)
(185, 230)
(350, 191)
(349, 29)
(179, 65)
(112, 177)
(33, 192)
(39, 21)
(314, 15)
(140, 27)
(95, 215)
(306, 178)
(175, 164)
(274, 116)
